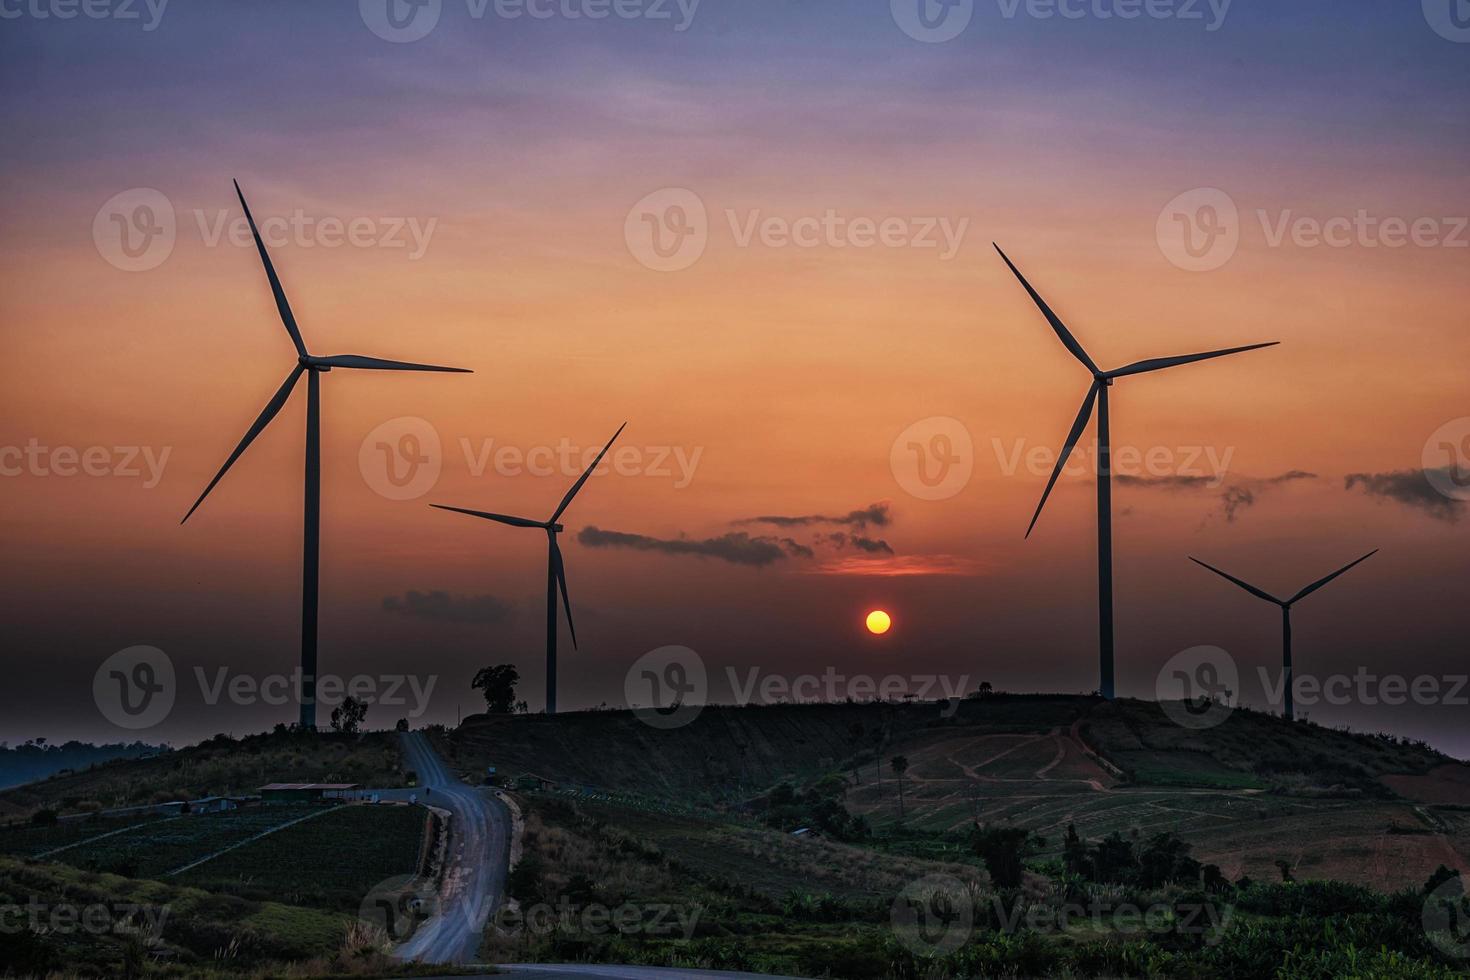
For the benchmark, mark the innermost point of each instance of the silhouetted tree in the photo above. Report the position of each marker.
(347, 717)
(498, 684)
(1074, 853)
(1003, 849)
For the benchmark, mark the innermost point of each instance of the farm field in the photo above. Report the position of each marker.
(771, 862)
(155, 848)
(25, 840)
(1044, 782)
(329, 862)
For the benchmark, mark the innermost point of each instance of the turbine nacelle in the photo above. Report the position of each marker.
(557, 577)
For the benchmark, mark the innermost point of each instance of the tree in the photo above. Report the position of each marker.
(402, 725)
(1003, 849)
(498, 684)
(1074, 852)
(347, 717)
(985, 689)
(900, 766)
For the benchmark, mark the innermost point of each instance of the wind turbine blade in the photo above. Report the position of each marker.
(1159, 363)
(1072, 437)
(286, 317)
(1258, 593)
(565, 501)
(1056, 323)
(379, 364)
(560, 569)
(1323, 581)
(272, 408)
(501, 518)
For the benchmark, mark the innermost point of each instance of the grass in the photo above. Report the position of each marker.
(197, 927)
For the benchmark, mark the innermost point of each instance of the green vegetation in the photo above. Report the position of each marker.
(330, 861)
(156, 847)
(768, 903)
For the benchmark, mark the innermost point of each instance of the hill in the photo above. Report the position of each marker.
(220, 766)
(1247, 794)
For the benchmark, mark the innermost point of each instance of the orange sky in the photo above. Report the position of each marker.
(790, 371)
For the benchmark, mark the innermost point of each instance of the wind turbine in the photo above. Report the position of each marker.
(556, 573)
(1098, 394)
(1285, 605)
(313, 367)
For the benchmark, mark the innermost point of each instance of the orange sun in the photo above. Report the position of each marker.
(879, 622)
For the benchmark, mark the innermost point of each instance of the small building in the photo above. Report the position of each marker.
(531, 781)
(212, 804)
(309, 792)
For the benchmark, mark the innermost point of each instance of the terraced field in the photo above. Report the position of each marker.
(329, 862)
(31, 841)
(154, 848)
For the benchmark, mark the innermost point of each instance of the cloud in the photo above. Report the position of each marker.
(450, 609)
(1412, 489)
(876, 515)
(841, 539)
(1239, 494)
(737, 547)
(899, 565)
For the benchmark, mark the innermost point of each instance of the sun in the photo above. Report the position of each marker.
(879, 622)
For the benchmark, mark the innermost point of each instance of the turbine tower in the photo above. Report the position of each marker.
(1098, 394)
(313, 367)
(556, 573)
(1285, 604)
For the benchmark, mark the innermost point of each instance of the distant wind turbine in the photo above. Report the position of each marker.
(313, 367)
(1098, 394)
(1285, 605)
(556, 573)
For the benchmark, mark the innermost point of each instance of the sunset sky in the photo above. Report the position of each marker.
(770, 379)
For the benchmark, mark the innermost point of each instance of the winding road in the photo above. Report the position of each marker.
(478, 854)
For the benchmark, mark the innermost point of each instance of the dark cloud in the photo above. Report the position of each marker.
(1235, 495)
(1166, 482)
(841, 539)
(875, 515)
(737, 547)
(1412, 489)
(450, 609)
